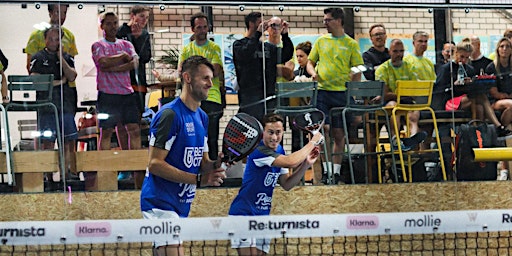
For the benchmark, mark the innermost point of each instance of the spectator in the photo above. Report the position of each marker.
(210, 50)
(134, 31)
(507, 34)
(302, 52)
(257, 85)
(389, 72)
(423, 67)
(266, 166)
(114, 58)
(333, 55)
(478, 60)
(36, 43)
(48, 61)
(3, 66)
(501, 94)
(276, 28)
(178, 153)
(378, 53)
(448, 49)
(443, 88)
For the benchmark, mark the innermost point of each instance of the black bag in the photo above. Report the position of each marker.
(475, 134)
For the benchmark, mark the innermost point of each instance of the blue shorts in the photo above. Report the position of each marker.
(332, 99)
(119, 108)
(66, 113)
(47, 123)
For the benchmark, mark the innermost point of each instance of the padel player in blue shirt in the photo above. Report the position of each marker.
(266, 166)
(178, 153)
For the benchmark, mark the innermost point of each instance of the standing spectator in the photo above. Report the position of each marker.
(266, 166)
(135, 32)
(277, 27)
(36, 43)
(114, 58)
(255, 83)
(423, 67)
(213, 104)
(61, 65)
(178, 153)
(335, 53)
(478, 60)
(378, 53)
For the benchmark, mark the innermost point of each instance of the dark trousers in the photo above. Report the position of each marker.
(215, 112)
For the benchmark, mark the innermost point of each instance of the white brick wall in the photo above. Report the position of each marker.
(307, 20)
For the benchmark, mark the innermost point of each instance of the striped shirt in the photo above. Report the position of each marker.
(334, 57)
(211, 51)
(112, 82)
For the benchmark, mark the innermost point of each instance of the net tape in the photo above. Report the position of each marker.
(274, 226)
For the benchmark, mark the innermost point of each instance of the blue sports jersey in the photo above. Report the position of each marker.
(260, 178)
(182, 132)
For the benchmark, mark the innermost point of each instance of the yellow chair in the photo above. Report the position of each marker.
(421, 91)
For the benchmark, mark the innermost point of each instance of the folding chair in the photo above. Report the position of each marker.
(306, 92)
(359, 96)
(23, 91)
(419, 90)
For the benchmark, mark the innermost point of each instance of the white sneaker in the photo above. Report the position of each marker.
(5, 100)
(503, 175)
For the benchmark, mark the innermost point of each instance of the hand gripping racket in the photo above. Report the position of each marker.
(311, 121)
(243, 133)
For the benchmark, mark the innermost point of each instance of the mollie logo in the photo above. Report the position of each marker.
(362, 222)
(426, 221)
(95, 229)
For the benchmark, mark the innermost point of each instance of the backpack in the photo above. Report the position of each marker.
(475, 134)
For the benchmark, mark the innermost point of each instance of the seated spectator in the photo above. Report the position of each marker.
(378, 53)
(478, 60)
(301, 75)
(443, 88)
(302, 52)
(389, 72)
(501, 94)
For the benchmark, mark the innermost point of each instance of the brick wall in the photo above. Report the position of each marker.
(307, 20)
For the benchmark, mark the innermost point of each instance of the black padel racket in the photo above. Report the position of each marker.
(311, 121)
(242, 135)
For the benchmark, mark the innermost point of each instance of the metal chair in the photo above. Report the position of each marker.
(306, 92)
(422, 92)
(359, 96)
(23, 90)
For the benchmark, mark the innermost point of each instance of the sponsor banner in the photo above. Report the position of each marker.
(274, 226)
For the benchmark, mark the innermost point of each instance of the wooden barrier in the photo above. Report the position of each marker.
(29, 166)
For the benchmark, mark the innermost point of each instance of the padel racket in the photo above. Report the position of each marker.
(242, 135)
(311, 121)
